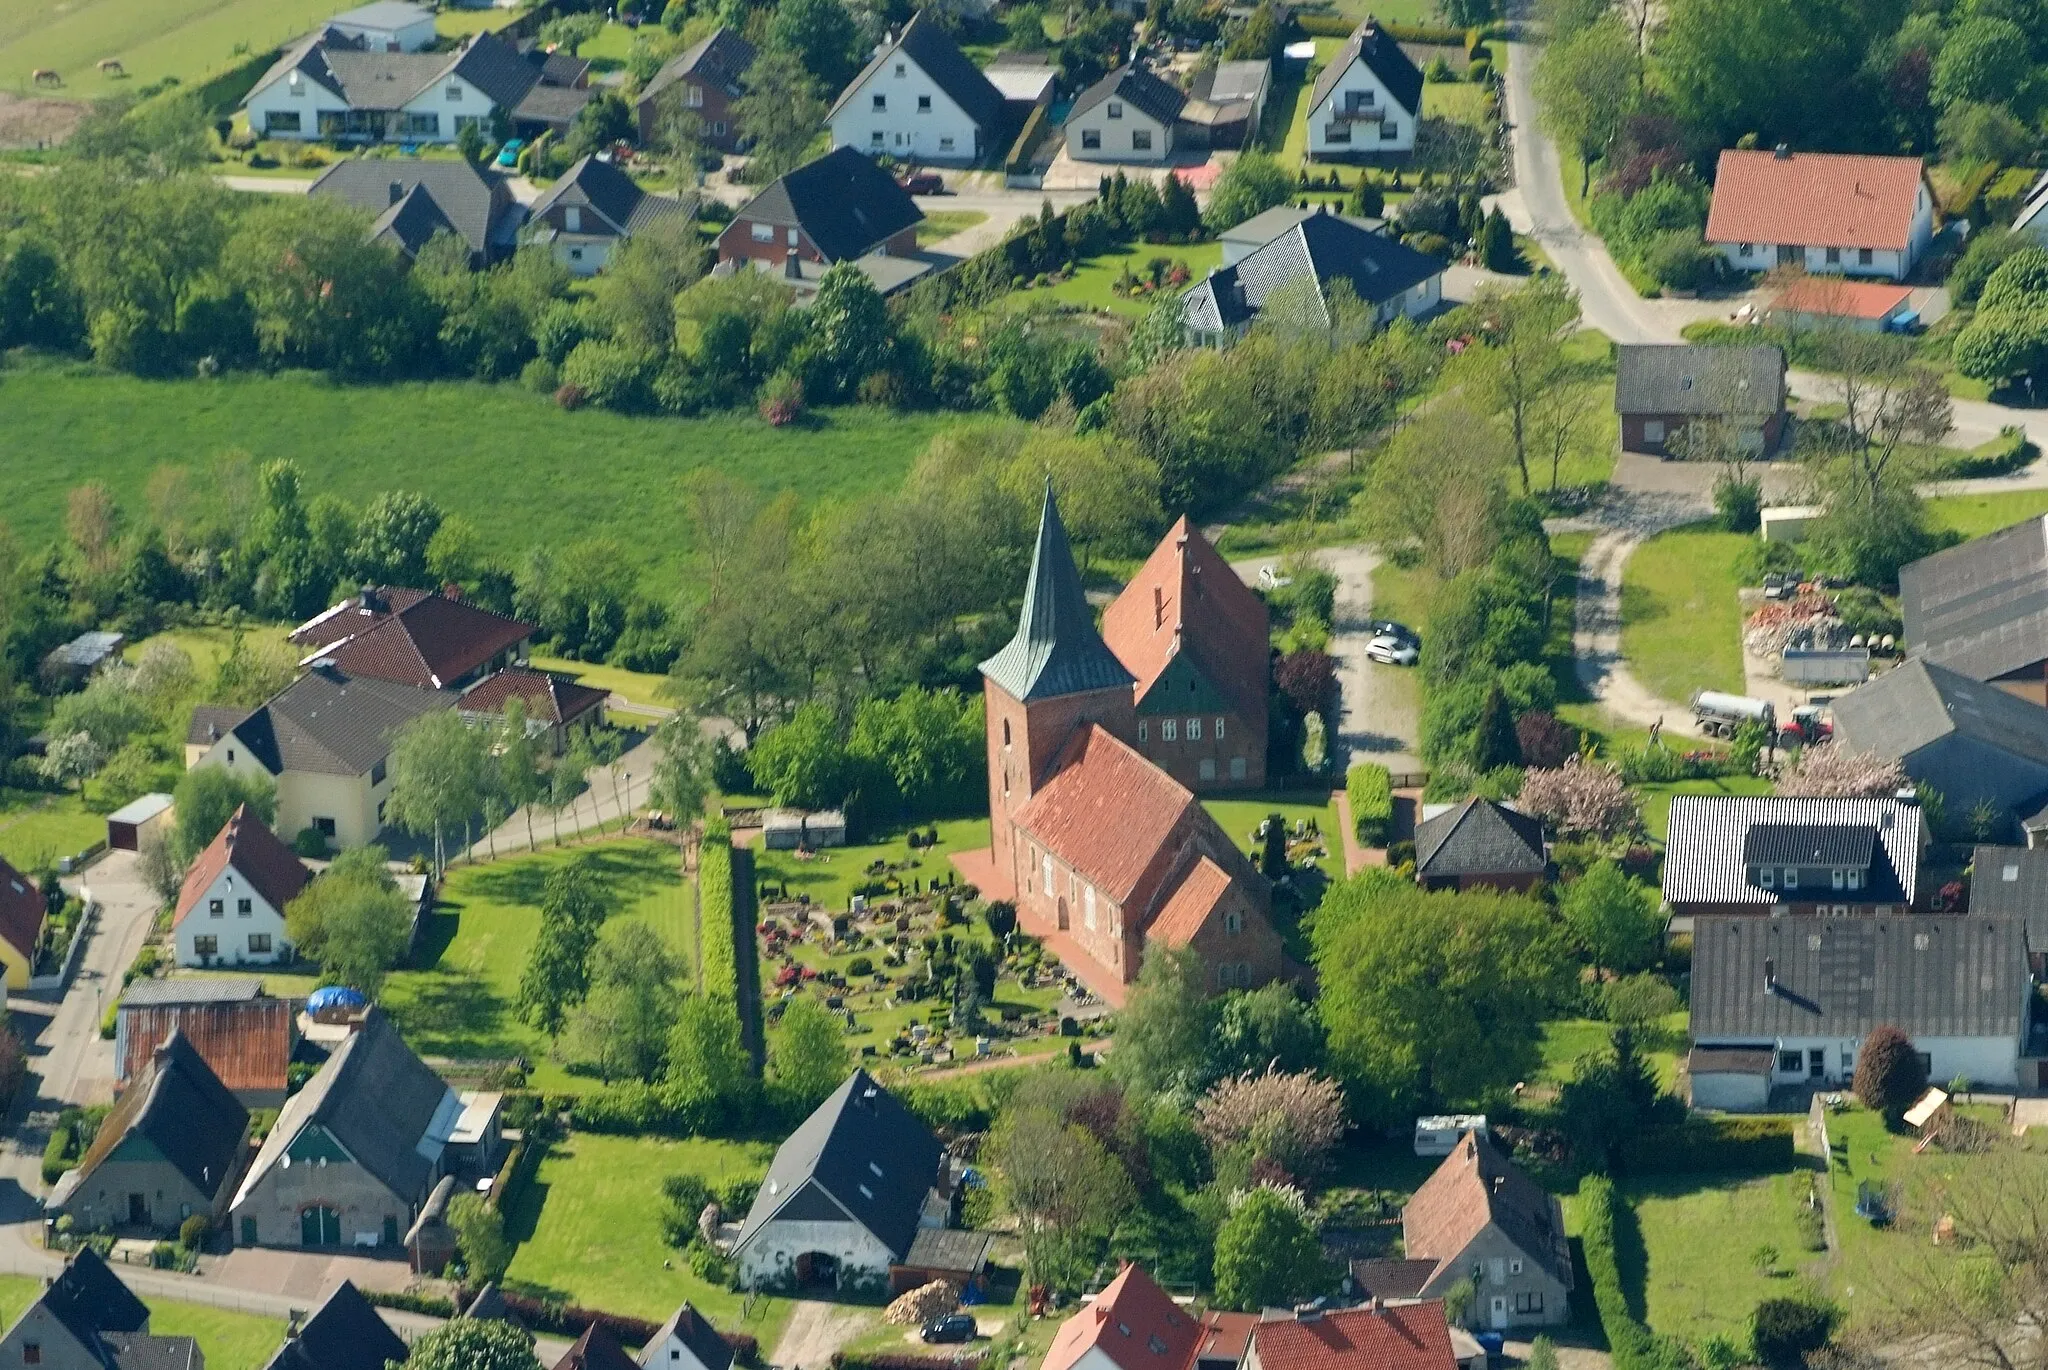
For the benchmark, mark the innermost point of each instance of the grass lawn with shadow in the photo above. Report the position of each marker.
(1091, 284)
(462, 1002)
(941, 224)
(1657, 797)
(637, 687)
(1975, 515)
(36, 830)
(589, 1229)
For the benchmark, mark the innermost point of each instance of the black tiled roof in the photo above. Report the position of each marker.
(329, 722)
(467, 200)
(89, 1299)
(185, 1112)
(1138, 88)
(1383, 57)
(1810, 844)
(2012, 882)
(695, 1331)
(1707, 835)
(846, 203)
(1321, 248)
(600, 186)
(721, 60)
(1480, 837)
(344, 1333)
(925, 42)
(1918, 703)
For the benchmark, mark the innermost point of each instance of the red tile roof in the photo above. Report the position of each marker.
(1106, 812)
(548, 700)
(21, 910)
(1477, 1186)
(252, 850)
(1814, 199)
(1134, 1323)
(1225, 1335)
(247, 1043)
(1185, 598)
(1201, 889)
(411, 637)
(1410, 1337)
(1838, 298)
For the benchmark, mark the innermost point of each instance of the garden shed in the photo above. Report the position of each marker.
(132, 823)
(955, 1255)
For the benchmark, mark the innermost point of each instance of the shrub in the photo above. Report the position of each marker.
(627, 1107)
(1679, 260)
(1705, 1145)
(433, 1305)
(57, 1154)
(192, 1231)
(1783, 1331)
(782, 398)
(1480, 72)
(1369, 787)
(1889, 1075)
(1739, 503)
(310, 843)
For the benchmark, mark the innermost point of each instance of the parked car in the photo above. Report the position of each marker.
(1394, 651)
(952, 1327)
(921, 182)
(508, 155)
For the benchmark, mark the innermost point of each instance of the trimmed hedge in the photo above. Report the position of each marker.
(57, 1154)
(1703, 1145)
(1635, 1346)
(1370, 788)
(569, 1320)
(433, 1305)
(720, 951)
(890, 1360)
(520, 1163)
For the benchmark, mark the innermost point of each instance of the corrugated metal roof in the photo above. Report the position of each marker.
(1981, 608)
(1704, 843)
(246, 1042)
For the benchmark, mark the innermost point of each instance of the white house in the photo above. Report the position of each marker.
(920, 100)
(845, 1196)
(1129, 115)
(387, 26)
(1787, 1001)
(231, 909)
(593, 208)
(687, 1341)
(1368, 100)
(1824, 213)
(326, 87)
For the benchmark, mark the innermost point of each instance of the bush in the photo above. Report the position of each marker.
(627, 1107)
(1739, 503)
(192, 1231)
(310, 843)
(1783, 1331)
(1679, 260)
(433, 1305)
(1480, 72)
(1706, 1145)
(1889, 1075)
(1370, 789)
(57, 1154)
(570, 1320)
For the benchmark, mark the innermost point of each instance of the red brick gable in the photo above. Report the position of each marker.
(1186, 599)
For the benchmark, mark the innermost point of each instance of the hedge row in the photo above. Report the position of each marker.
(720, 950)
(57, 1155)
(1703, 1145)
(1370, 788)
(1634, 1346)
(433, 1305)
(569, 1320)
(990, 273)
(517, 1171)
(1336, 26)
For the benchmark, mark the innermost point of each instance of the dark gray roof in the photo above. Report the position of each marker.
(860, 1151)
(556, 105)
(599, 186)
(843, 200)
(1918, 703)
(695, 1331)
(1681, 378)
(211, 722)
(1810, 844)
(333, 723)
(383, 80)
(1981, 608)
(1057, 650)
(183, 1110)
(1935, 975)
(1728, 1061)
(1321, 248)
(2012, 882)
(1137, 87)
(344, 1333)
(925, 41)
(1234, 81)
(950, 1249)
(194, 989)
(132, 1352)
(380, 1102)
(720, 60)
(1480, 837)
(391, 80)
(1392, 1277)
(495, 67)
(467, 200)
(86, 651)
(1707, 835)
(411, 222)
(1383, 57)
(90, 1300)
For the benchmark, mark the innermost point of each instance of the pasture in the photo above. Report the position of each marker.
(151, 39)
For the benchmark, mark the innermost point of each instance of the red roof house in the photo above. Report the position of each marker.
(21, 924)
(1132, 1324)
(1823, 212)
(431, 639)
(1377, 1337)
(555, 704)
(231, 909)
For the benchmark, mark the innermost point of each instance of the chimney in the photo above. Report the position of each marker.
(1378, 1306)
(791, 269)
(1770, 975)
(1783, 152)
(397, 192)
(1158, 606)
(366, 599)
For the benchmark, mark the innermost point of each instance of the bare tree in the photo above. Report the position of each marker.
(1891, 404)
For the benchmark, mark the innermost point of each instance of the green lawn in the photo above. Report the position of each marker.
(230, 1341)
(38, 829)
(1241, 818)
(1680, 621)
(944, 223)
(1700, 1233)
(206, 646)
(458, 23)
(829, 877)
(551, 486)
(1459, 101)
(462, 1003)
(1567, 1040)
(589, 1229)
(1090, 285)
(1975, 515)
(151, 39)
(641, 687)
(609, 48)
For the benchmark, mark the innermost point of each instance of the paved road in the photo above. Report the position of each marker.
(610, 797)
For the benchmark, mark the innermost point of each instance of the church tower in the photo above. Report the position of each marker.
(1054, 676)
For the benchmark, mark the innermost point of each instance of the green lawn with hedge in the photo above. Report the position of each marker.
(36, 830)
(1681, 622)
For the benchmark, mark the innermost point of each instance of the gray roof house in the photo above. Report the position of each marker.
(413, 199)
(88, 1320)
(1757, 855)
(593, 208)
(172, 1147)
(1480, 844)
(1973, 742)
(687, 1341)
(327, 86)
(845, 1196)
(1805, 992)
(707, 78)
(1228, 101)
(1129, 115)
(2012, 882)
(355, 1153)
(1367, 100)
(325, 739)
(344, 1333)
(1297, 268)
(1982, 608)
(1660, 388)
(842, 207)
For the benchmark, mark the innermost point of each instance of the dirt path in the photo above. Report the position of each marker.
(816, 1331)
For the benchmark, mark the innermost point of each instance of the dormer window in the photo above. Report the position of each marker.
(1841, 879)
(1116, 109)
(1791, 880)
(1766, 876)
(1855, 879)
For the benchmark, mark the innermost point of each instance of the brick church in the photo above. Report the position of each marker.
(1097, 742)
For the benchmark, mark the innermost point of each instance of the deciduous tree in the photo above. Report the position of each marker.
(437, 777)
(1614, 917)
(207, 797)
(352, 920)
(1889, 1073)
(1267, 1254)
(1163, 1034)
(469, 1344)
(622, 1026)
(806, 1055)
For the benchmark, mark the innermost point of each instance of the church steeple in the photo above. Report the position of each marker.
(1056, 650)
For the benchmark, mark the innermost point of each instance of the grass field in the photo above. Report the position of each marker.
(151, 39)
(589, 1229)
(230, 1341)
(457, 23)
(1975, 515)
(37, 829)
(944, 223)
(462, 1003)
(1657, 798)
(1567, 1040)
(641, 687)
(1680, 620)
(1700, 1234)
(521, 469)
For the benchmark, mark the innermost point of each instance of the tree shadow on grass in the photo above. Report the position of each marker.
(522, 1219)
(1631, 1257)
(451, 1013)
(626, 873)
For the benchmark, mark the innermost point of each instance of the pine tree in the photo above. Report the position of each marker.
(1497, 243)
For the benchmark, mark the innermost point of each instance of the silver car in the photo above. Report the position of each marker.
(1394, 651)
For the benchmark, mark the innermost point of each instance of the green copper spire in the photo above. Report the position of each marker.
(1056, 650)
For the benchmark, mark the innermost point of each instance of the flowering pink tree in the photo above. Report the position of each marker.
(1582, 797)
(1829, 771)
(1291, 1119)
